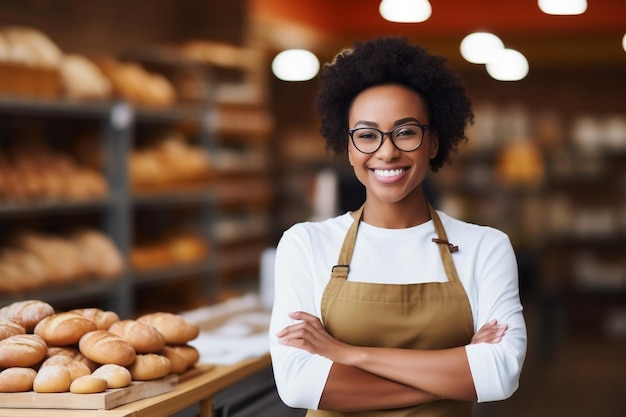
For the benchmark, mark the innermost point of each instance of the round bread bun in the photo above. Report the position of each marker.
(116, 376)
(88, 384)
(17, 379)
(102, 318)
(10, 328)
(54, 378)
(76, 369)
(102, 346)
(27, 313)
(149, 366)
(64, 329)
(142, 337)
(22, 350)
(176, 329)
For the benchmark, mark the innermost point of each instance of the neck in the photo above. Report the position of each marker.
(400, 215)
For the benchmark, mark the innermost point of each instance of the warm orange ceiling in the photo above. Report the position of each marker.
(593, 37)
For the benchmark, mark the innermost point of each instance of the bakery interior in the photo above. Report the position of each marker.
(185, 159)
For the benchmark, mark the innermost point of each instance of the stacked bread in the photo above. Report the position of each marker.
(177, 249)
(89, 350)
(37, 260)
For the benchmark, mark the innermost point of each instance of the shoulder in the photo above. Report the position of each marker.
(475, 234)
(319, 229)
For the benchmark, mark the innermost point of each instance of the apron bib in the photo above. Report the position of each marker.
(432, 315)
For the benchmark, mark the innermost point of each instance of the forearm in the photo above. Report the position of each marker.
(442, 373)
(352, 389)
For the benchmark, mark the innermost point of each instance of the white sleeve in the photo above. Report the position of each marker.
(496, 368)
(300, 377)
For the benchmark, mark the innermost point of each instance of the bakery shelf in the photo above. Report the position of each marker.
(13, 209)
(182, 194)
(166, 273)
(59, 108)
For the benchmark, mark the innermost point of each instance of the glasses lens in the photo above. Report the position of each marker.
(366, 140)
(407, 137)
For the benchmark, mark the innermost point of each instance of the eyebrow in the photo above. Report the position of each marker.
(396, 123)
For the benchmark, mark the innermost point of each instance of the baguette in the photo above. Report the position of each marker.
(22, 350)
(176, 329)
(102, 346)
(17, 379)
(63, 329)
(141, 336)
(27, 313)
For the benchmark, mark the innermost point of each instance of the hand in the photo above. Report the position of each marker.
(491, 332)
(309, 334)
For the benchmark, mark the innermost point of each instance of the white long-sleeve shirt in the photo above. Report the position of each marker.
(485, 263)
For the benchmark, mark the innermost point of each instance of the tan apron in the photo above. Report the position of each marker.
(432, 315)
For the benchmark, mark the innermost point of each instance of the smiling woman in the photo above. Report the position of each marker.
(378, 313)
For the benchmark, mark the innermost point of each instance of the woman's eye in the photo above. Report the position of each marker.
(405, 132)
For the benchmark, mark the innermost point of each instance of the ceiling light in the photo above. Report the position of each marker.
(405, 11)
(295, 65)
(624, 42)
(563, 7)
(508, 65)
(479, 47)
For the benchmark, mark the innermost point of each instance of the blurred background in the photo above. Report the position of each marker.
(157, 133)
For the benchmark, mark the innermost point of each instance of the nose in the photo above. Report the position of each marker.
(388, 149)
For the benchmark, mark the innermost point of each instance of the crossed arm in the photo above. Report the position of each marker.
(386, 377)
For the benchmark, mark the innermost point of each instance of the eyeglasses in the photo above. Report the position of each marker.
(407, 137)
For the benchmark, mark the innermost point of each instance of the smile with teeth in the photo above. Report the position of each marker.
(389, 172)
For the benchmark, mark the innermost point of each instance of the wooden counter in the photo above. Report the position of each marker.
(197, 389)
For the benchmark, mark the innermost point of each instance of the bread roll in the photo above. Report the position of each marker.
(116, 376)
(103, 319)
(99, 253)
(63, 329)
(17, 379)
(27, 313)
(142, 337)
(102, 346)
(149, 366)
(53, 378)
(176, 329)
(75, 368)
(10, 328)
(178, 364)
(88, 384)
(72, 353)
(22, 350)
(190, 353)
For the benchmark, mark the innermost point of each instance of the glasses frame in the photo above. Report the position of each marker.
(390, 134)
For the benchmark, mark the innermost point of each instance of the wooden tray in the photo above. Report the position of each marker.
(107, 400)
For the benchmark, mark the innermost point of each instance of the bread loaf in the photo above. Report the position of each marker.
(64, 329)
(178, 364)
(10, 328)
(176, 329)
(102, 346)
(88, 384)
(17, 379)
(72, 353)
(149, 366)
(141, 336)
(190, 353)
(27, 313)
(103, 319)
(22, 350)
(53, 378)
(75, 368)
(116, 376)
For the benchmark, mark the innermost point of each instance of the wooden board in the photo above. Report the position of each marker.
(107, 400)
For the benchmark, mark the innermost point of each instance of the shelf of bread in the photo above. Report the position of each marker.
(89, 358)
(174, 252)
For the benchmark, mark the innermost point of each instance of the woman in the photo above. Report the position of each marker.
(417, 314)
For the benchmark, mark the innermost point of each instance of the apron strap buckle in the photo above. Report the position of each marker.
(452, 248)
